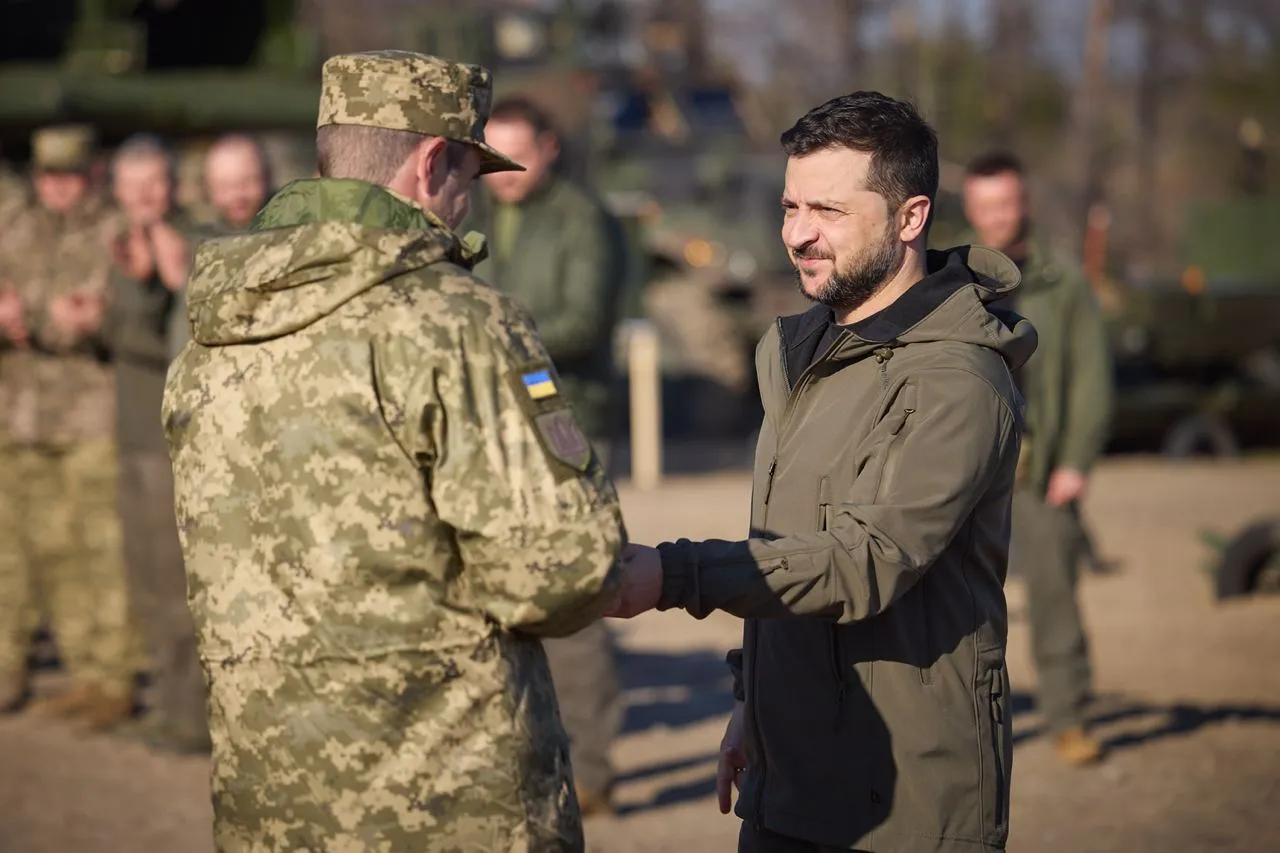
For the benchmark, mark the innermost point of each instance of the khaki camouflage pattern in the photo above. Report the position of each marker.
(400, 90)
(376, 533)
(60, 556)
(65, 148)
(58, 390)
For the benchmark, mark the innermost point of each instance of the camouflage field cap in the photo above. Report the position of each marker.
(64, 148)
(400, 90)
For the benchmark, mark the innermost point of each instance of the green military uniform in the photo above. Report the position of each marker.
(1068, 390)
(383, 501)
(60, 533)
(560, 254)
(139, 329)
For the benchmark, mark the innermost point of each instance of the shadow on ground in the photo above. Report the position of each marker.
(676, 793)
(674, 690)
(1165, 721)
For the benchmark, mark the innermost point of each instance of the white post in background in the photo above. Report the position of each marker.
(644, 371)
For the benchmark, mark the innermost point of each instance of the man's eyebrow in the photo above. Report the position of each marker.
(817, 202)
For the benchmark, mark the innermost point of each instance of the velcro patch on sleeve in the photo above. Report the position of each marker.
(538, 389)
(539, 384)
(563, 438)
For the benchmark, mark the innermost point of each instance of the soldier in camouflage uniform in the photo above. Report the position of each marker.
(59, 533)
(383, 499)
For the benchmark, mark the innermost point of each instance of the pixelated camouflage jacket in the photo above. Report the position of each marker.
(59, 389)
(382, 502)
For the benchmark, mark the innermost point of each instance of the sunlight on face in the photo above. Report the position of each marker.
(236, 182)
(60, 192)
(143, 189)
(841, 237)
(517, 139)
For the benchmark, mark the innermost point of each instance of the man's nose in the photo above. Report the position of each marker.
(799, 232)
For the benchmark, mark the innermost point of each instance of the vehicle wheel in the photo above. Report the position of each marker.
(1200, 435)
(1251, 561)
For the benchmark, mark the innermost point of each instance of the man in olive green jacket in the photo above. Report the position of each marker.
(558, 252)
(873, 694)
(1068, 389)
(152, 261)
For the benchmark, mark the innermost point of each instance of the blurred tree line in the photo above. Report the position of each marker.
(1131, 108)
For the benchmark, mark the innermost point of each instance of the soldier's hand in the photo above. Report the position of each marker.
(75, 314)
(733, 758)
(133, 254)
(13, 317)
(172, 255)
(641, 582)
(1065, 485)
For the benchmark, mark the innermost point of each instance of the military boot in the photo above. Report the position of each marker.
(15, 689)
(65, 704)
(1077, 747)
(104, 709)
(592, 802)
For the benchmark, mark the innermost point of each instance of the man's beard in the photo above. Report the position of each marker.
(864, 277)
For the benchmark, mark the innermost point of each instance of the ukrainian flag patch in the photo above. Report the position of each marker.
(539, 384)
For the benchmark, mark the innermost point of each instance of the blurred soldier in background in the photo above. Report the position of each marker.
(59, 534)
(237, 180)
(1067, 387)
(556, 250)
(152, 258)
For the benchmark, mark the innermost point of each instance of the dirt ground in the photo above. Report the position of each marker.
(1189, 702)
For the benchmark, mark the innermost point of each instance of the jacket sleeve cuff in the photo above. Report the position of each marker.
(679, 577)
(734, 659)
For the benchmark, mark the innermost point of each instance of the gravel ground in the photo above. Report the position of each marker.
(1189, 702)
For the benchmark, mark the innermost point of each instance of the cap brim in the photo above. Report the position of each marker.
(492, 161)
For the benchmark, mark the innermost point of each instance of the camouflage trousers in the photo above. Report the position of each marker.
(61, 559)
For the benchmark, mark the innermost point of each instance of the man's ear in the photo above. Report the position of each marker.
(551, 143)
(430, 166)
(914, 217)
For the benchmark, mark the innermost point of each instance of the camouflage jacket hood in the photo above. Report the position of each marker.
(314, 246)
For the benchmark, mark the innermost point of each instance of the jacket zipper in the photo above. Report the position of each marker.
(761, 771)
(792, 395)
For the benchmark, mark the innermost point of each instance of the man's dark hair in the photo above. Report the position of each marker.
(902, 145)
(993, 163)
(524, 109)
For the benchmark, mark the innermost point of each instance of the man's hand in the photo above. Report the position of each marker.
(172, 256)
(733, 758)
(641, 582)
(12, 317)
(76, 314)
(1065, 485)
(133, 254)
